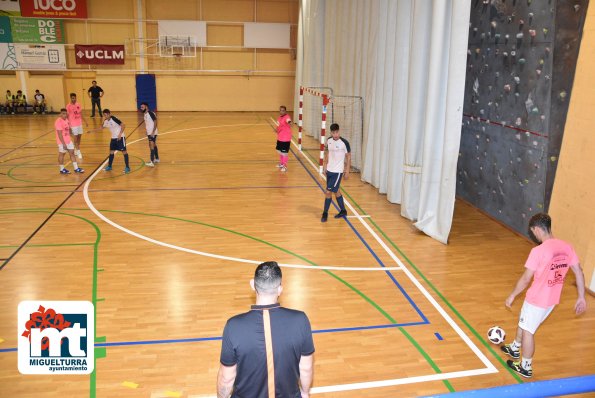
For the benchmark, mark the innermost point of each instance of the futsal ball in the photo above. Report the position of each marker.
(496, 335)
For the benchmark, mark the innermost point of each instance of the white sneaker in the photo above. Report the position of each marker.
(279, 166)
(156, 161)
(283, 169)
(150, 164)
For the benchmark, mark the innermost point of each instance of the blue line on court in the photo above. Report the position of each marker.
(438, 336)
(390, 275)
(165, 189)
(537, 389)
(216, 338)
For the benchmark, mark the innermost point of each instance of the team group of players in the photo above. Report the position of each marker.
(69, 130)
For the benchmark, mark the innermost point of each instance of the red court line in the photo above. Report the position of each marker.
(505, 125)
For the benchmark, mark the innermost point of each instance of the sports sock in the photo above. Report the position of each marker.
(280, 159)
(61, 167)
(526, 363)
(327, 204)
(152, 155)
(156, 152)
(340, 202)
(126, 160)
(284, 160)
(515, 346)
(75, 165)
(111, 159)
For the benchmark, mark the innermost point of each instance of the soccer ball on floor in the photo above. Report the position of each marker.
(496, 335)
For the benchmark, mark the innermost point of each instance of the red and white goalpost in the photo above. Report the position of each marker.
(323, 101)
(319, 104)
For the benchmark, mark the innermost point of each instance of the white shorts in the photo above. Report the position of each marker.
(76, 130)
(532, 316)
(69, 146)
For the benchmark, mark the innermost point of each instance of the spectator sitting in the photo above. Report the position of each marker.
(39, 103)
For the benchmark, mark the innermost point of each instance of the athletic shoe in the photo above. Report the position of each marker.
(283, 169)
(156, 161)
(126, 170)
(516, 366)
(108, 168)
(279, 166)
(35, 113)
(324, 217)
(64, 171)
(507, 349)
(150, 164)
(79, 170)
(340, 214)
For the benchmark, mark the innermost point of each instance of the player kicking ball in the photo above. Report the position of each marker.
(336, 165)
(118, 141)
(64, 143)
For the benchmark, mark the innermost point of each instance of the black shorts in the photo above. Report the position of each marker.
(152, 138)
(283, 146)
(333, 181)
(117, 144)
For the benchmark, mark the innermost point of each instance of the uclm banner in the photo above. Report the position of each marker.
(54, 8)
(101, 54)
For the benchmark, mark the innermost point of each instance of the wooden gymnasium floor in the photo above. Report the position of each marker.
(160, 310)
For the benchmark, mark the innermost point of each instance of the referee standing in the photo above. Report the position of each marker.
(266, 352)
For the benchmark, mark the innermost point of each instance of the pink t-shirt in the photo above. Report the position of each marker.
(551, 260)
(63, 126)
(284, 128)
(74, 114)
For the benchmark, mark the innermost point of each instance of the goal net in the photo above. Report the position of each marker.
(318, 104)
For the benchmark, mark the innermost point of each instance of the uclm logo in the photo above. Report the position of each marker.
(56, 337)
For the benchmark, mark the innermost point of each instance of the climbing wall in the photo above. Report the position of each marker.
(521, 60)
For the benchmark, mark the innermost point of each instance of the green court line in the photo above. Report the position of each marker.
(9, 173)
(93, 376)
(353, 288)
(48, 245)
(442, 297)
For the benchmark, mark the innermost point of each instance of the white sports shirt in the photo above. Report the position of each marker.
(336, 154)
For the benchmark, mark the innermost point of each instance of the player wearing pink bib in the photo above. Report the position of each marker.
(283, 137)
(64, 143)
(76, 119)
(547, 265)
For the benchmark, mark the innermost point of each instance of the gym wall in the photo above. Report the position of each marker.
(572, 210)
(246, 88)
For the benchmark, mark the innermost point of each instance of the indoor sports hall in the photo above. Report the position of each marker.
(454, 146)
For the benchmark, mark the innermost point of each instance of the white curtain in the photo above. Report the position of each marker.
(407, 59)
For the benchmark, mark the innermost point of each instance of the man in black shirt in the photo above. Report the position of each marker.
(267, 351)
(95, 93)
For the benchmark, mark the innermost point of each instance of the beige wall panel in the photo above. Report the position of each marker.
(173, 9)
(221, 93)
(111, 9)
(228, 10)
(572, 207)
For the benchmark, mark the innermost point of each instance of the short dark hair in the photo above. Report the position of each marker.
(106, 111)
(334, 127)
(73, 94)
(145, 104)
(283, 106)
(267, 277)
(19, 91)
(36, 91)
(541, 220)
(94, 81)
(63, 110)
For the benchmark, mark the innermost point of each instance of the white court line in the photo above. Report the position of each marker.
(201, 253)
(341, 387)
(451, 322)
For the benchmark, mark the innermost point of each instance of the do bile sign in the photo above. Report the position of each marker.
(54, 8)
